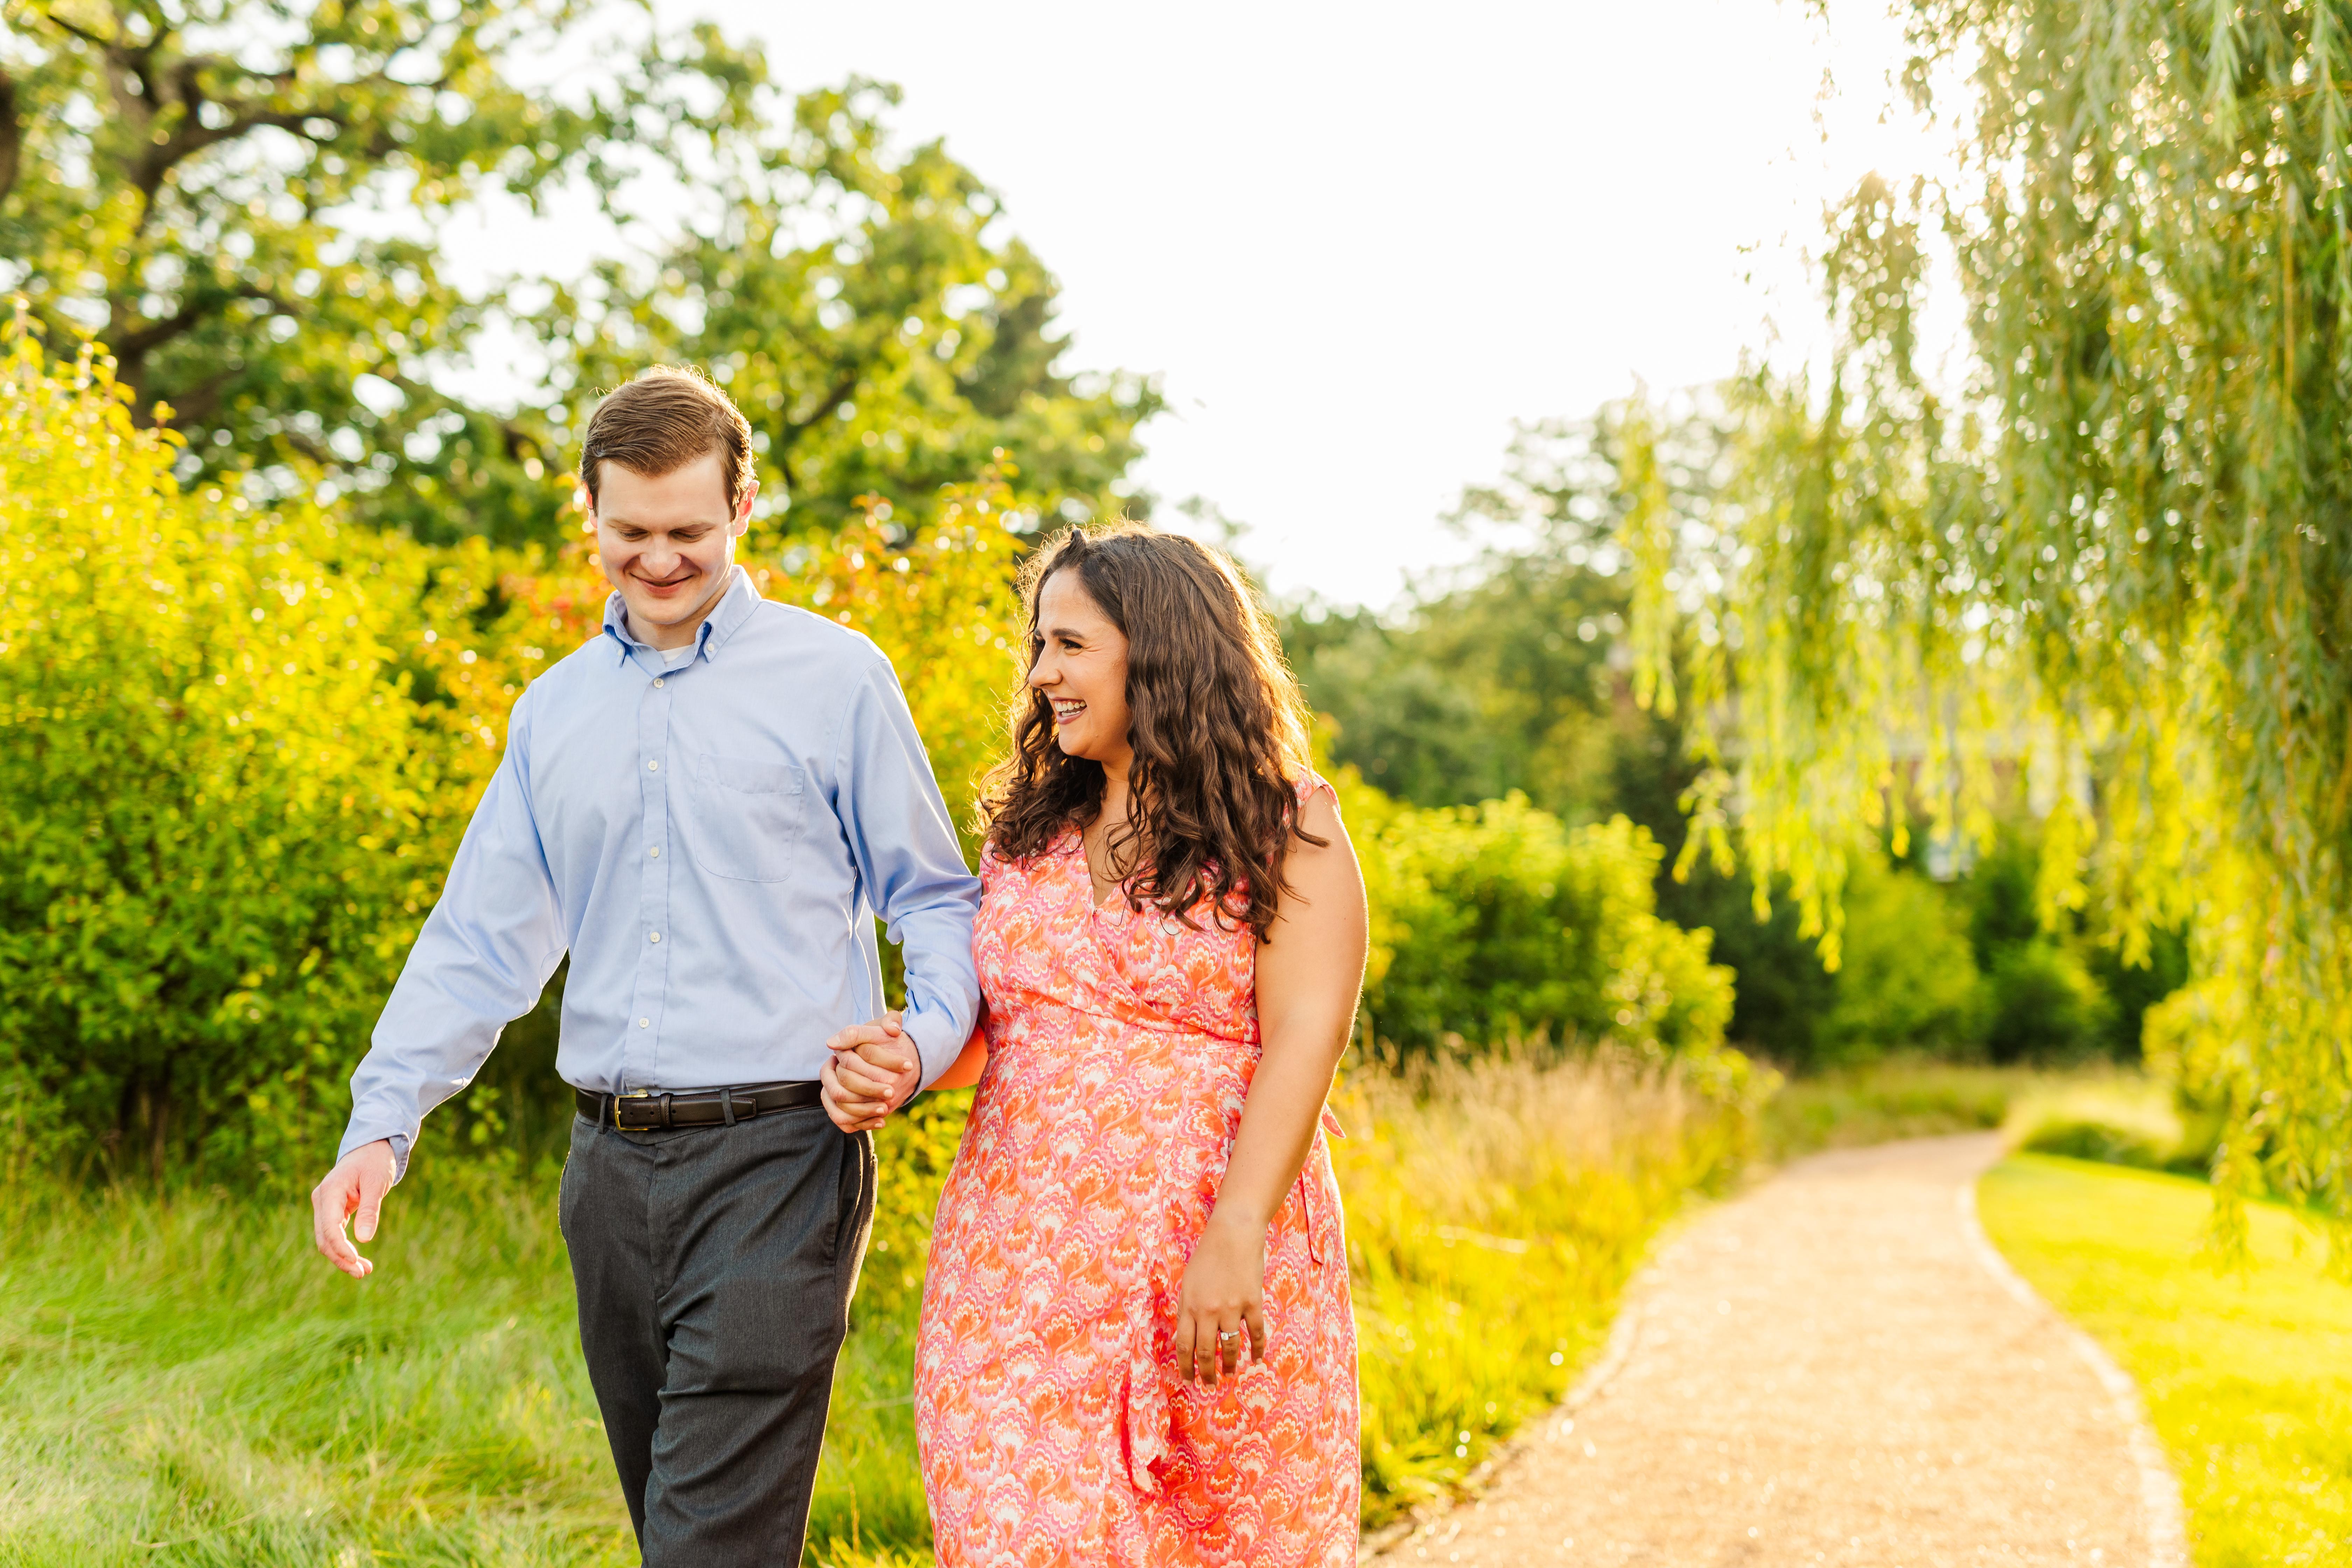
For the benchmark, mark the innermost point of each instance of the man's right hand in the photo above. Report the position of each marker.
(354, 1187)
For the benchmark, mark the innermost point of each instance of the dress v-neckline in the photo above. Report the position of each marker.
(1096, 902)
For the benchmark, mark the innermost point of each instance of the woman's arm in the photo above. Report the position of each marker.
(1310, 970)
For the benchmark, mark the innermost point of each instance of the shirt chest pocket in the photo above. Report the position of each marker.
(743, 818)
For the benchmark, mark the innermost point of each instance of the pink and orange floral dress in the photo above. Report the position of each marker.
(1053, 1427)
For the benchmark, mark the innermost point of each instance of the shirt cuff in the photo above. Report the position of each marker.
(929, 1031)
(358, 1138)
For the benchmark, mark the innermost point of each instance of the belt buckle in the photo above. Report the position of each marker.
(630, 1094)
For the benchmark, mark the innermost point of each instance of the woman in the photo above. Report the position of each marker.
(1135, 1344)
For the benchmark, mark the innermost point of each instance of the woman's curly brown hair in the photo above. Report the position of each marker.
(1215, 719)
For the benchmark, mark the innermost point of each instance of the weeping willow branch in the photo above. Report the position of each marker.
(2117, 564)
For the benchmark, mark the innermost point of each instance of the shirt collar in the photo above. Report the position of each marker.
(734, 607)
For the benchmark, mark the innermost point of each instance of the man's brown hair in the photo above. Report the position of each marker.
(663, 420)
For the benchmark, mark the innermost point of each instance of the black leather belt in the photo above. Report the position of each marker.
(651, 1110)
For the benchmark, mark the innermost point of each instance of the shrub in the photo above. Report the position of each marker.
(2085, 1139)
(1496, 921)
(225, 814)
(2099, 1113)
(2042, 1004)
(1908, 979)
(238, 744)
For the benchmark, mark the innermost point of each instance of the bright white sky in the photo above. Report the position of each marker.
(1357, 241)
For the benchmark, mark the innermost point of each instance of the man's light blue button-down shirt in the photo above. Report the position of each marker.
(711, 843)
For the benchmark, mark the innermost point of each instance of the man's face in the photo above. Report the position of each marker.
(666, 543)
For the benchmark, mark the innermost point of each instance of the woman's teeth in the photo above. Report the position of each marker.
(1065, 712)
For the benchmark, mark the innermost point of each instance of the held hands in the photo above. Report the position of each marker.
(1223, 1302)
(356, 1185)
(874, 1071)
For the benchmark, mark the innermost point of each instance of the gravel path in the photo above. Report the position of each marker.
(1835, 1368)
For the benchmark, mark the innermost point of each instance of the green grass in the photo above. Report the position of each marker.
(182, 1381)
(2248, 1378)
(1902, 1097)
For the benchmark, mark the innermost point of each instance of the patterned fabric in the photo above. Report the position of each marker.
(1053, 1427)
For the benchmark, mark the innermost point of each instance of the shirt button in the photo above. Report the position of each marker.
(645, 1023)
(657, 936)
(653, 767)
(655, 852)
(658, 680)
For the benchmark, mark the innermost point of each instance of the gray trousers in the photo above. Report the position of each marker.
(715, 1266)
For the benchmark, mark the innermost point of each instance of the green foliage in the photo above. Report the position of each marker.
(2121, 1118)
(2109, 553)
(193, 185)
(1495, 921)
(2101, 1142)
(1504, 676)
(2244, 1374)
(2042, 1004)
(1909, 980)
(246, 203)
(863, 310)
(246, 740)
(1899, 1097)
(1509, 676)
(224, 815)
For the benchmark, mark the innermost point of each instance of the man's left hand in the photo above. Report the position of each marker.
(873, 1072)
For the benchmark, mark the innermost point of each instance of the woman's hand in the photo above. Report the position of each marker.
(872, 1071)
(1222, 1301)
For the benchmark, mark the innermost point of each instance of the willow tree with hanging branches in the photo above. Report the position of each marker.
(2115, 559)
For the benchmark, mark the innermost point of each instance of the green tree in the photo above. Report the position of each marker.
(1511, 675)
(244, 201)
(861, 307)
(2116, 551)
(1505, 674)
(204, 189)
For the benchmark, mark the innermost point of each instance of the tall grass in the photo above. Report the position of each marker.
(1900, 1096)
(182, 1381)
(1495, 1209)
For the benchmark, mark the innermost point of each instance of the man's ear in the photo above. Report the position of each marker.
(742, 523)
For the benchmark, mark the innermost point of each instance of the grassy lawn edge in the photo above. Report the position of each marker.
(2246, 1378)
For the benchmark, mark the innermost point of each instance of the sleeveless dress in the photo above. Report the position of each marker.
(1050, 1422)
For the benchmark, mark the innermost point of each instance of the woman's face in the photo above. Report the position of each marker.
(1081, 670)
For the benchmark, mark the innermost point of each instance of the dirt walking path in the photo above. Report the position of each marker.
(1835, 1368)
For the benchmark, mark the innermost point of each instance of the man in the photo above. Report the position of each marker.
(705, 805)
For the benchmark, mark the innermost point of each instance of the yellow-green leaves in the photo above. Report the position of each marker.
(2103, 568)
(220, 806)
(238, 744)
